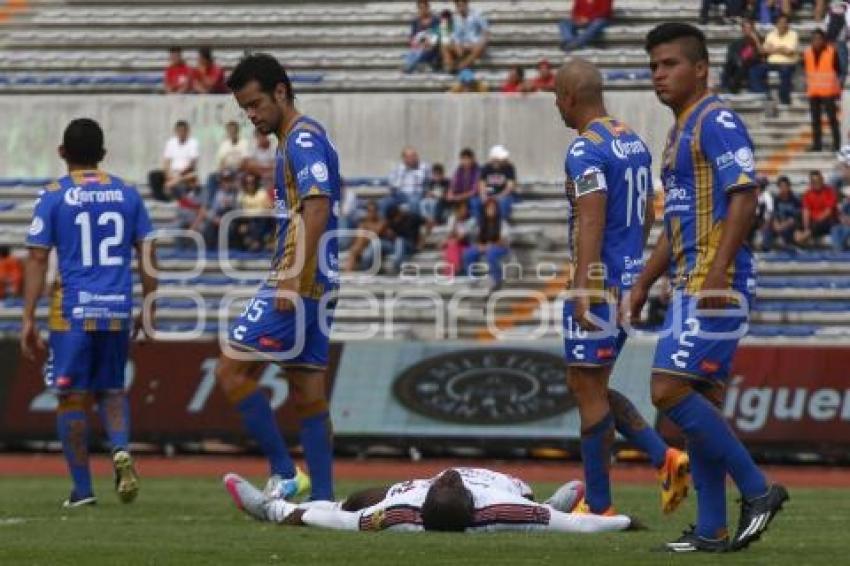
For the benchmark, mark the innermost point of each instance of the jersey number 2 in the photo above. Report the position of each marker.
(83, 220)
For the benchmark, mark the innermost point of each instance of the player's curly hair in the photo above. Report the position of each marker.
(83, 142)
(447, 508)
(264, 69)
(695, 47)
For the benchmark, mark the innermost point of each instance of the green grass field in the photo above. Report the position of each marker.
(193, 522)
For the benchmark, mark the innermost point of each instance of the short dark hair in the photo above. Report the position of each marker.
(814, 172)
(181, 124)
(450, 510)
(466, 152)
(438, 167)
(819, 32)
(83, 142)
(206, 53)
(175, 49)
(669, 32)
(783, 179)
(264, 69)
(520, 72)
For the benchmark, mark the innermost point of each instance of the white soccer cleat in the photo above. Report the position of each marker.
(247, 497)
(287, 489)
(567, 496)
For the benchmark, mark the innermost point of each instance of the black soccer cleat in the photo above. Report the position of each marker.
(692, 542)
(756, 515)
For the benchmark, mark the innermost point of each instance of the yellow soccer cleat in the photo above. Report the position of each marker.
(126, 478)
(674, 477)
(582, 508)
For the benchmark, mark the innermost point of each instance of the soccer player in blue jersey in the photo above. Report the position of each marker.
(609, 172)
(292, 311)
(710, 198)
(94, 220)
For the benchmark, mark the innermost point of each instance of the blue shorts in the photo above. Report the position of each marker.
(699, 345)
(87, 361)
(298, 338)
(592, 348)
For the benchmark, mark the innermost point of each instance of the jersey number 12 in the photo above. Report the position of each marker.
(638, 181)
(83, 220)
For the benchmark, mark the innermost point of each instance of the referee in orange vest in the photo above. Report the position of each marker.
(822, 87)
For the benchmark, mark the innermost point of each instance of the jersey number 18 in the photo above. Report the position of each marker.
(638, 182)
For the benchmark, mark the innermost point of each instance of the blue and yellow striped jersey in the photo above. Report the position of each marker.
(307, 166)
(708, 156)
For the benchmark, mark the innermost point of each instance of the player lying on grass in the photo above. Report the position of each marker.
(457, 499)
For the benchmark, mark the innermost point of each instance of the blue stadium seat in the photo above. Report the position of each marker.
(9, 182)
(37, 182)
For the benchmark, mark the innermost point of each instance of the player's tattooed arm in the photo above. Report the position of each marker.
(591, 227)
(35, 274)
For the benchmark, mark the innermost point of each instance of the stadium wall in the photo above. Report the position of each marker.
(782, 400)
(368, 129)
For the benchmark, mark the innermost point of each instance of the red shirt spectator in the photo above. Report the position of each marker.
(586, 10)
(514, 82)
(545, 79)
(178, 75)
(820, 202)
(11, 274)
(207, 77)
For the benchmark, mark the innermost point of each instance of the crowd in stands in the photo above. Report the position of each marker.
(206, 77)
(786, 222)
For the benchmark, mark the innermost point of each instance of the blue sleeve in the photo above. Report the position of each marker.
(143, 226)
(585, 167)
(42, 232)
(728, 149)
(307, 154)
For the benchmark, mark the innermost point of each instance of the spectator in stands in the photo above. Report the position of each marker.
(545, 79)
(787, 216)
(372, 223)
(407, 183)
(404, 230)
(178, 75)
(588, 20)
(498, 182)
(261, 160)
(256, 225)
(782, 49)
(822, 88)
(840, 176)
(744, 60)
(462, 227)
(464, 185)
(515, 82)
(835, 25)
(232, 153)
(226, 199)
(437, 188)
(469, 38)
(492, 243)
(763, 216)
(180, 160)
(424, 38)
(840, 233)
(732, 10)
(819, 211)
(207, 77)
(11, 274)
(467, 81)
(191, 210)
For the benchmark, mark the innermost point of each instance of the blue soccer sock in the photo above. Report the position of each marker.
(709, 476)
(114, 410)
(317, 441)
(259, 421)
(634, 427)
(596, 456)
(72, 426)
(703, 423)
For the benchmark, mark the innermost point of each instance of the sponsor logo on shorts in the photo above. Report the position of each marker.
(63, 381)
(725, 160)
(486, 387)
(708, 366)
(605, 353)
(269, 343)
(37, 226)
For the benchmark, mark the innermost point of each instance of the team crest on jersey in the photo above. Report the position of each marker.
(745, 160)
(37, 226)
(319, 171)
